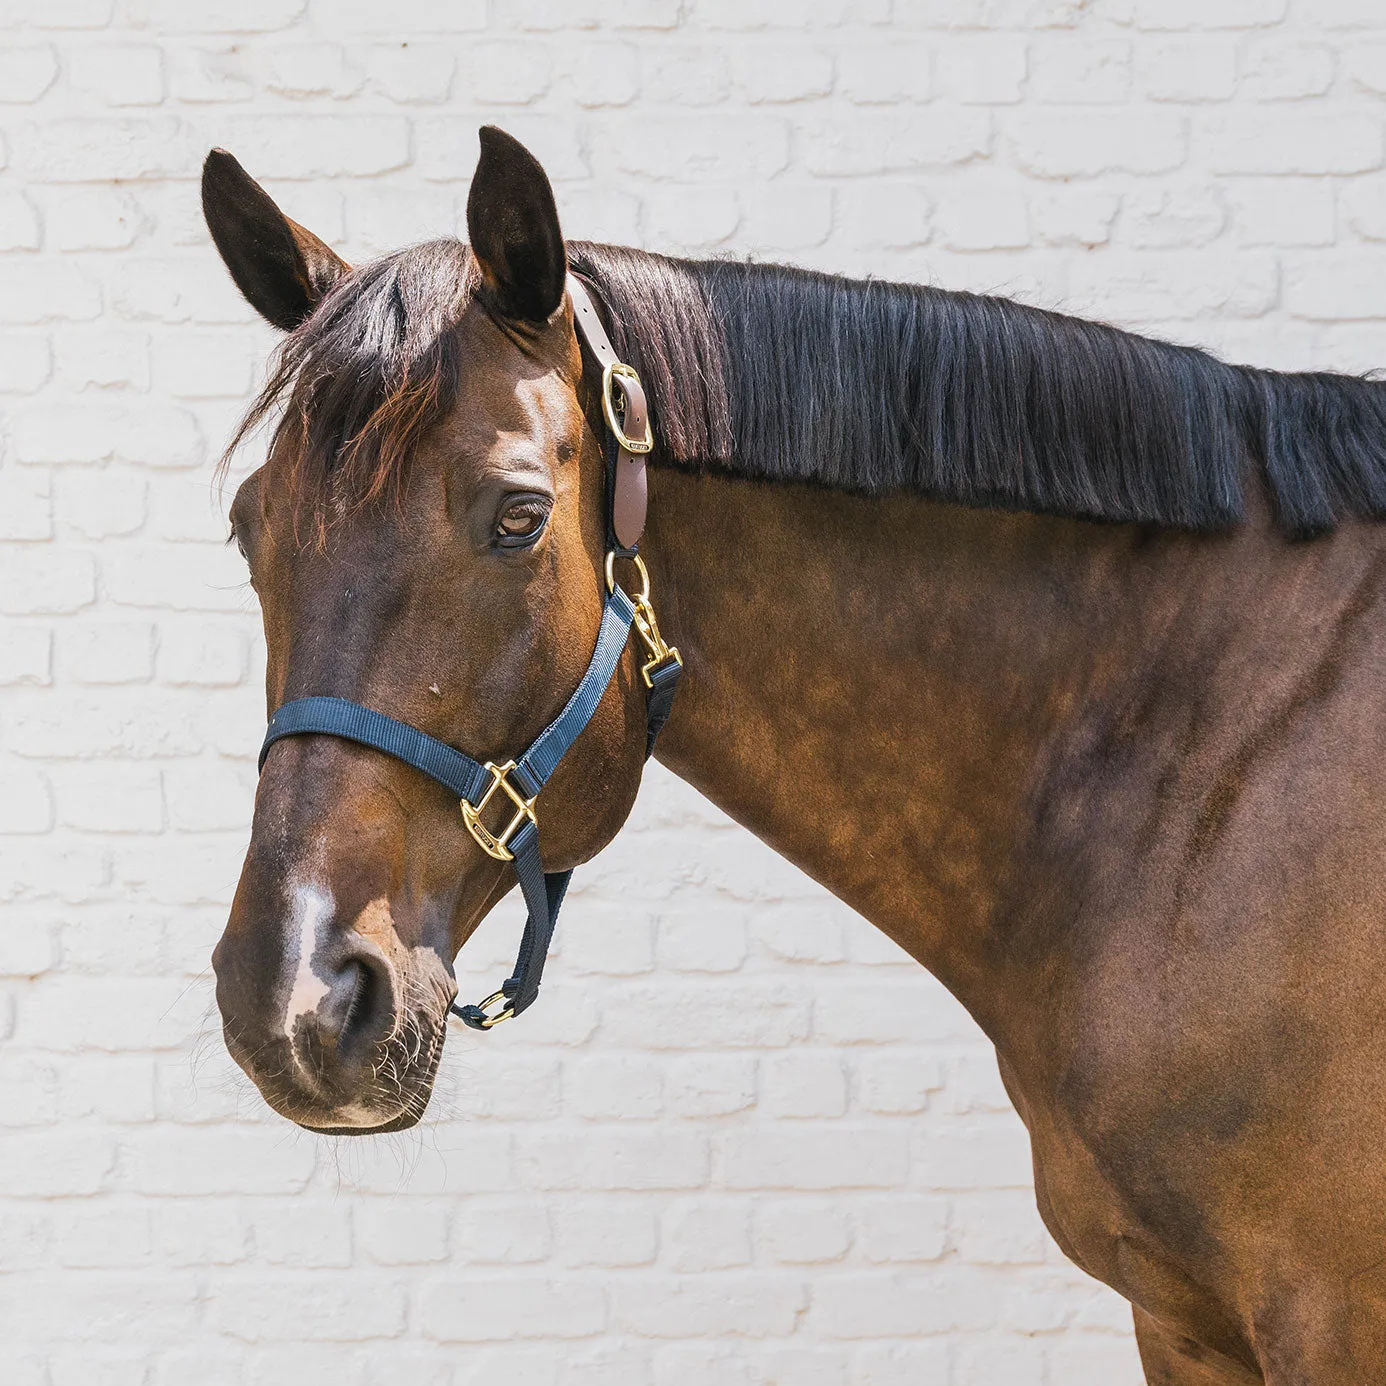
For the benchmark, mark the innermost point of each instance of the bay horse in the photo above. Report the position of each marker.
(1058, 653)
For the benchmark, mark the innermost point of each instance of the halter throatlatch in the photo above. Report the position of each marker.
(497, 802)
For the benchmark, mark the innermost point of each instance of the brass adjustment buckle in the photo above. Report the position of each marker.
(646, 623)
(506, 1012)
(615, 416)
(493, 845)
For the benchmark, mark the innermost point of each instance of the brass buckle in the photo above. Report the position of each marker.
(505, 1012)
(615, 421)
(493, 846)
(646, 625)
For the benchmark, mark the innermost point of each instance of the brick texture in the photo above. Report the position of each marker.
(743, 1139)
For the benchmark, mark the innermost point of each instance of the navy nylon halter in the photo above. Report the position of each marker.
(519, 782)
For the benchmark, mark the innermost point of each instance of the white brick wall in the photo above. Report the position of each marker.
(743, 1139)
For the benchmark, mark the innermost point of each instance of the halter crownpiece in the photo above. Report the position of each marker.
(516, 785)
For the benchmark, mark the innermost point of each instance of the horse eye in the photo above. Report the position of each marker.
(521, 524)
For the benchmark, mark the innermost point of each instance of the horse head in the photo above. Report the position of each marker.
(427, 540)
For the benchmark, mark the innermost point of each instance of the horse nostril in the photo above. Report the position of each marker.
(360, 1009)
(358, 995)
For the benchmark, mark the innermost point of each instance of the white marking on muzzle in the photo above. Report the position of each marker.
(313, 908)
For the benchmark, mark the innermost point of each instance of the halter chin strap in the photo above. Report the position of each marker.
(516, 785)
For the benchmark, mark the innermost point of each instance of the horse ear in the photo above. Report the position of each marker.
(283, 270)
(513, 226)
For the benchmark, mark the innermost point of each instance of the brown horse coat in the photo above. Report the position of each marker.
(1122, 787)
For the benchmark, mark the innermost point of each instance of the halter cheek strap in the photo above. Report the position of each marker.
(515, 785)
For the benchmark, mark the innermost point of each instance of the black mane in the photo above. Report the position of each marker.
(785, 374)
(782, 374)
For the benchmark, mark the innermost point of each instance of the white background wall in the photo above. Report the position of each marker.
(743, 1139)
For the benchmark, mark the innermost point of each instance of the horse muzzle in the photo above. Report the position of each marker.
(338, 1023)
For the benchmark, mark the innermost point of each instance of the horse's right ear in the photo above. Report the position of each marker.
(513, 227)
(282, 270)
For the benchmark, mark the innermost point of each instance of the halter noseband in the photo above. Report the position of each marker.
(516, 784)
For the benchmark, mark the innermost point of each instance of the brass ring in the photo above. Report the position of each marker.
(506, 1012)
(644, 595)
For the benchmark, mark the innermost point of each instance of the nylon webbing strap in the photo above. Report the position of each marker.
(338, 717)
(664, 683)
(551, 745)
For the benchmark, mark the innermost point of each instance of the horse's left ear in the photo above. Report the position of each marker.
(513, 226)
(282, 268)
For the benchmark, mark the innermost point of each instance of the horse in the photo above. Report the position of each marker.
(1057, 652)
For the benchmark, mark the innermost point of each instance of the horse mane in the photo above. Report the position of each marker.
(790, 375)
(782, 374)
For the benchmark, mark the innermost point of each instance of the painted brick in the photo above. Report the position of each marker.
(706, 1236)
(403, 17)
(501, 1310)
(616, 1086)
(50, 1164)
(983, 72)
(1074, 144)
(44, 579)
(26, 506)
(49, 291)
(873, 1305)
(27, 70)
(25, 654)
(1080, 70)
(318, 146)
(331, 1307)
(26, 800)
(393, 1233)
(837, 1158)
(743, 1139)
(605, 1232)
(215, 16)
(711, 1085)
(96, 504)
(59, 14)
(737, 1305)
(804, 1083)
(1280, 70)
(302, 70)
(26, 364)
(1191, 14)
(511, 1232)
(900, 1230)
(119, 74)
(1278, 140)
(1189, 69)
(83, 150)
(613, 1158)
(800, 1232)
(88, 360)
(776, 73)
(865, 141)
(193, 1161)
(984, 215)
(19, 223)
(115, 653)
(1367, 64)
(885, 73)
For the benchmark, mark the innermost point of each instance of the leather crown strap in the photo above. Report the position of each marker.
(514, 786)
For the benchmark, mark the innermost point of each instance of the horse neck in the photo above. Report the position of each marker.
(886, 692)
